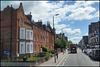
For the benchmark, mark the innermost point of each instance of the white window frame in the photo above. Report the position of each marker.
(26, 47)
(30, 36)
(22, 36)
(30, 47)
(22, 48)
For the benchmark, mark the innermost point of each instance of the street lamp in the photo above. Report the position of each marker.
(54, 37)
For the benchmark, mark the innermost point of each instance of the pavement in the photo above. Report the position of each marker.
(59, 61)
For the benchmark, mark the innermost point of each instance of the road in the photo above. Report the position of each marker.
(79, 59)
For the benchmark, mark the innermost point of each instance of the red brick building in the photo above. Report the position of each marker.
(22, 36)
(61, 35)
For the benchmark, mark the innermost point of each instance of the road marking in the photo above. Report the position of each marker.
(62, 60)
(65, 60)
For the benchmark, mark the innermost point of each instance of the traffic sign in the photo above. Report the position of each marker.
(6, 52)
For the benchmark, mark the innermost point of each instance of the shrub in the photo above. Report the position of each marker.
(41, 54)
(47, 56)
(52, 51)
(49, 51)
(45, 49)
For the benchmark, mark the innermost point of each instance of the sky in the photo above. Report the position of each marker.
(73, 19)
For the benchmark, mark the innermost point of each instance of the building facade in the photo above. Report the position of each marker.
(94, 34)
(84, 42)
(21, 35)
(61, 35)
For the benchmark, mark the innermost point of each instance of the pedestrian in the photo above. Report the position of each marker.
(57, 55)
(82, 49)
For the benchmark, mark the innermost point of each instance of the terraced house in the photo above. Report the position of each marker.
(22, 36)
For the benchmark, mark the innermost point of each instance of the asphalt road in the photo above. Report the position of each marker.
(79, 59)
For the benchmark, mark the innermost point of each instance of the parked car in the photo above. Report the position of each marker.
(95, 54)
(85, 50)
(88, 51)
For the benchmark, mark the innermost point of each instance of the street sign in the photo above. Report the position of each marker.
(6, 52)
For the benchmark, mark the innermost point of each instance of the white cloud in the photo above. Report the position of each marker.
(69, 31)
(42, 10)
(86, 34)
(75, 39)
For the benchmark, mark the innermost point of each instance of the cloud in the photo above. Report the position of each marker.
(86, 34)
(69, 31)
(75, 39)
(42, 10)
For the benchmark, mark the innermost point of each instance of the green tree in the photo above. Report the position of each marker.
(57, 43)
(63, 43)
(68, 44)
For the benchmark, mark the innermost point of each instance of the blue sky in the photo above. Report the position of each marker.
(74, 16)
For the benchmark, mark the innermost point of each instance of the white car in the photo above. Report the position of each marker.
(88, 51)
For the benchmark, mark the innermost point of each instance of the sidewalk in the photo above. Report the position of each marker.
(59, 61)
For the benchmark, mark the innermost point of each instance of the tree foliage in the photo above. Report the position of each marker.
(63, 43)
(57, 43)
(68, 44)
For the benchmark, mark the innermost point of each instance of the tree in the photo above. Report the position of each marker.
(63, 43)
(68, 44)
(57, 43)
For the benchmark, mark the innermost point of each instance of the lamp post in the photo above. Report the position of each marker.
(54, 37)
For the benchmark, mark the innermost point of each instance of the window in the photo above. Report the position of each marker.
(41, 31)
(37, 38)
(34, 37)
(29, 34)
(34, 48)
(29, 47)
(22, 47)
(22, 33)
(41, 38)
(41, 48)
(21, 21)
(37, 29)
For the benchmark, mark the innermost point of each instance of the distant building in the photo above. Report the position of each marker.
(93, 34)
(21, 35)
(84, 42)
(61, 35)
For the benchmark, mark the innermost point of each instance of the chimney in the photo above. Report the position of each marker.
(21, 4)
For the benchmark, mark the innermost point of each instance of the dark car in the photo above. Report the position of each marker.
(95, 54)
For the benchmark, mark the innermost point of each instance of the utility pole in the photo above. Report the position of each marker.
(54, 38)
